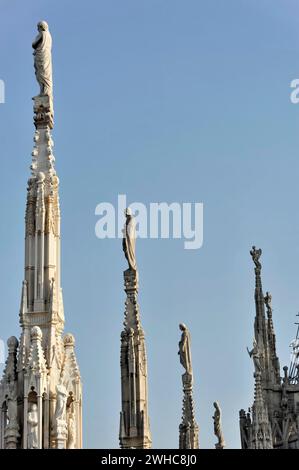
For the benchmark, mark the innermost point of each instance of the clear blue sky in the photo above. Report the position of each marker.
(162, 100)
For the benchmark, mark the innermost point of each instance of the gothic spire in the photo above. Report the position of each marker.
(188, 429)
(44, 359)
(134, 429)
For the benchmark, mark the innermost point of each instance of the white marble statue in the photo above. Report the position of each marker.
(12, 405)
(60, 412)
(71, 439)
(42, 46)
(255, 354)
(185, 349)
(32, 427)
(129, 239)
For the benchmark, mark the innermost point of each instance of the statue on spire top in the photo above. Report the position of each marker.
(129, 239)
(42, 46)
(256, 254)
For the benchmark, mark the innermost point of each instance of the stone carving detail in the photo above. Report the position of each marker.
(71, 439)
(129, 239)
(11, 363)
(12, 406)
(42, 46)
(185, 349)
(256, 254)
(30, 208)
(60, 412)
(217, 426)
(268, 302)
(32, 426)
(255, 354)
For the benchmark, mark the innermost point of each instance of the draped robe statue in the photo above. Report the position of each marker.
(217, 426)
(12, 405)
(185, 349)
(42, 46)
(61, 399)
(71, 440)
(32, 424)
(255, 354)
(129, 239)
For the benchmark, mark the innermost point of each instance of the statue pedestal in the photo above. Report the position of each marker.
(61, 434)
(131, 280)
(43, 111)
(187, 380)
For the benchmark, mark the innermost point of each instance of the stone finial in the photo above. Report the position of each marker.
(36, 333)
(12, 344)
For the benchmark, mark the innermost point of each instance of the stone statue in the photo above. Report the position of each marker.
(217, 426)
(32, 426)
(185, 349)
(42, 46)
(255, 354)
(256, 254)
(12, 405)
(60, 402)
(129, 238)
(268, 301)
(71, 439)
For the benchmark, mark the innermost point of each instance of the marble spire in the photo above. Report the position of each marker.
(43, 359)
(188, 429)
(134, 429)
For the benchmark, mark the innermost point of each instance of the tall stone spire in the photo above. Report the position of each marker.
(134, 419)
(44, 360)
(188, 428)
(263, 327)
(273, 421)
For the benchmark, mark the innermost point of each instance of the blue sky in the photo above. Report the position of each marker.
(161, 100)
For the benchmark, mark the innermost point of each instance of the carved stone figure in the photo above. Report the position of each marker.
(60, 402)
(217, 426)
(268, 301)
(32, 426)
(42, 46)
(71, 439)
(12, 405)
(255, 354)
(129, 239)
(185, 349)
(256, 254)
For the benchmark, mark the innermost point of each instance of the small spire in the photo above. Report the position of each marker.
(188, 428)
